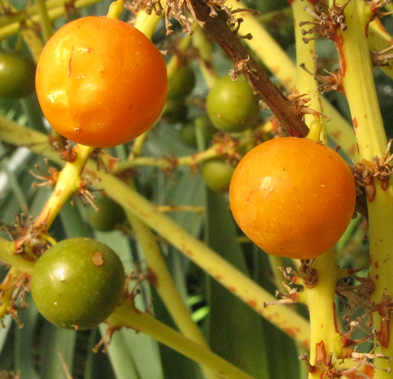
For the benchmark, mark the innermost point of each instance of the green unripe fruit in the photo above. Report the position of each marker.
(188, 136)
(217, 174)
(181, 83)
(231, 105)
(17, 75)
(77, 283)
(108, 215)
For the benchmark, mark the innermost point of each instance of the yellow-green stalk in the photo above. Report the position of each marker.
(358, 81)
(127, 315)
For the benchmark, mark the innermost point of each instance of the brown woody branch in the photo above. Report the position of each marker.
(217, 27)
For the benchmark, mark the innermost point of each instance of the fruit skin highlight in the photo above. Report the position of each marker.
(101, 82)
(77, 283)
(293, 197)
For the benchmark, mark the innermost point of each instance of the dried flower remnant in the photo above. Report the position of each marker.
(30, 239)
(375, 10)
(301, 105)
(48, 179)
(64, 146)
(385, 308)
(332, 81)
(179, 10)
(85, 193)
(365, 172)
(13, 291)
(327, 20)
(381, 58)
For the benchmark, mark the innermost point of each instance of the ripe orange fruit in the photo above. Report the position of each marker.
(101, 82)
(293, 197)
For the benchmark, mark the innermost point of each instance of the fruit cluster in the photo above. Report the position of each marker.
(293, 197)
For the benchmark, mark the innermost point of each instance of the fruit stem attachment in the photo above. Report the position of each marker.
(147, 23)
(115, 9)
(10, 257)
(307, 94)
(322, 319)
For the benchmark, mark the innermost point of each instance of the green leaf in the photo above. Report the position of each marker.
(24, 342)
(134, 355)
(6, 343)
(174, 364)
(72, 222)
(97, 364)
(279, 346)
(57, 351)
(236, 331)
(4, 331)
(33, 113)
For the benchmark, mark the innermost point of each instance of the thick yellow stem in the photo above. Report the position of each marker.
(357, 72)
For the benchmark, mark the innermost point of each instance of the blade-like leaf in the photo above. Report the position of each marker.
(57, 352)
(279, 346)
(174, 364)
(236, 331)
